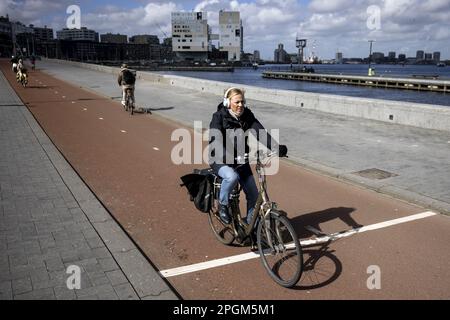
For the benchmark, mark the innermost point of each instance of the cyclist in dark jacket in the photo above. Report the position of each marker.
(126, 80)
(229, 130)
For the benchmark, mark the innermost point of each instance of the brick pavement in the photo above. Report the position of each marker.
(49, 220)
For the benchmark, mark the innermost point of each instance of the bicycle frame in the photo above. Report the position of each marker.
(263, 204)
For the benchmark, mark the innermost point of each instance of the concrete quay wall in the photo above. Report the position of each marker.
(404, 113)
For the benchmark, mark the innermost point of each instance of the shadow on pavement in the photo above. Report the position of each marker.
(320, 268)
(161, 109)
(314, 220)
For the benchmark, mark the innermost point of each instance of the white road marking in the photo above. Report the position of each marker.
(155, 148)
(123, 131)
(84, 109)
(251, 255)
(100, 118)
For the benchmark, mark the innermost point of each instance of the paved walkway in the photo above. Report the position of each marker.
(336, 145)
(50, 221)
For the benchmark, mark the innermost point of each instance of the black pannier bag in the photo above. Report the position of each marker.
(200, 188)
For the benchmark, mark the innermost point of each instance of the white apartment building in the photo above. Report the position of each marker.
(77, 34)
(190, 35)
(231, 34)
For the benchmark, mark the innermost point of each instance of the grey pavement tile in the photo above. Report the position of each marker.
(101, 253)
(95, 242)
(54, 264)
(18, 260)
(41, 294)
(126, 292)
(94, 290)
(108, 264)
(22, 285)
(116, 277)
(69, 256)
(63, 293)
(6, 290)
(89, 297)
(39, 274)
(99, 280)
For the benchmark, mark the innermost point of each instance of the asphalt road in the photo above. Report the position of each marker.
(126, 161)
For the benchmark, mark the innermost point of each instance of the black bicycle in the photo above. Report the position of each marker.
(276, 239)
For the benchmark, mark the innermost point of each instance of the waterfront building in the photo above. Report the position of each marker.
(6, 45)
(377, 57)
(339, 57)
(113, 38)
(231, 34)
(83, 34)
(401, 57)
(190, 36)
(144, 39)
(419, 55)
(280, 55)
(436, 56)
(43, 34)
(256, 56)
(391, 56)
(428, 57)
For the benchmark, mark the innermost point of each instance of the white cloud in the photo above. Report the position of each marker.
(411, 24)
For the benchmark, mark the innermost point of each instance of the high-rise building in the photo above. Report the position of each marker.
(428, 57)
(144, 39)
(377, 57)
(256, 56)
(113, 38)
(339, 57)
(43, 34)
(436, 56)
(230, 36)
(419, 55)
(391, 55)
(83, 34)
(6, 45)
(280, 55)
(402, 57)
(190, 35)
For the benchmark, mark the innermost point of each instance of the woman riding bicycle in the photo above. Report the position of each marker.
(229, 130)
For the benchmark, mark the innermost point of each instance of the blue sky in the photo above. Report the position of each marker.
(403, 26)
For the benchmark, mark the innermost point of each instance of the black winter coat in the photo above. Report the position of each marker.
(229, 127)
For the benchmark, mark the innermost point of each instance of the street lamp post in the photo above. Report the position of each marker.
(300, 44)
(370, 58)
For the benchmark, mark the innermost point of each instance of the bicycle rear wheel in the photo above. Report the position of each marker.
(223, 232)
(280, 250)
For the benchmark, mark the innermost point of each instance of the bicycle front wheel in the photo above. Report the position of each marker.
(280, 250)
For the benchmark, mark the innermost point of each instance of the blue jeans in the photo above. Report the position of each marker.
(243, 175)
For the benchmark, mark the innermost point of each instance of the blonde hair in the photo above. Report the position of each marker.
(233, 92)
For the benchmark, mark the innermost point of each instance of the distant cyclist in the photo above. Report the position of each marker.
(22, 75)
(14, 61)
(126, 80)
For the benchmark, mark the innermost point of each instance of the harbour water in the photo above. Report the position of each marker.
(248, 76)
